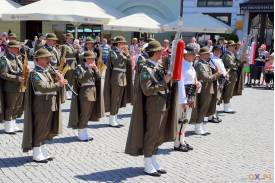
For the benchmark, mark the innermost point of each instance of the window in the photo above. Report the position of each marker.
(224, 17)
(215, 3)
(85, 30)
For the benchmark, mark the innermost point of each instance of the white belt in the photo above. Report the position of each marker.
(41, 94)
(119, 69)
(87, 84)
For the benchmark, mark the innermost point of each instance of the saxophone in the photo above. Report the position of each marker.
(25, 72)
(63, 70)
(101, 66)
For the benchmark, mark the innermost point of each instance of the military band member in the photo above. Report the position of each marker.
(118, 80)
(231, 66)
(50, 45)
(239, 86)
(85, 106)
(154, 114)
(205, 76)
(215, 65)
(42, 112)
(187, 92)
(71, 60)
(13, 96)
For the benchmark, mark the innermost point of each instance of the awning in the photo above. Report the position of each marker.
(75, 11)
(258, 6)
(138, 22)
(7, 5)
(200, 23)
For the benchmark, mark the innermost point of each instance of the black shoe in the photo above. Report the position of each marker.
(181, 148)
(50, 159)
(188, 146)
(88, 140)
(219, 119)
(155, 174)
(118, 126)
(214, 120)
(10, 133)
(161, 171)
(42, 161)
(231, 112)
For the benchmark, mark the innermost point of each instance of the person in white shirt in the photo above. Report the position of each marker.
(187, 93)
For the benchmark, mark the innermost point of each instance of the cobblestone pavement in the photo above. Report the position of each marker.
(240, 149)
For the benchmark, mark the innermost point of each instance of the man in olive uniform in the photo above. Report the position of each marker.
(71, 60)
(11, 74)
(84, 106)
(90, 46)
(50, 45)
(241, 60)
(42, 113)
(118, 80)
(206, 77)
(231, 66)
(154, 114)
(214, 65)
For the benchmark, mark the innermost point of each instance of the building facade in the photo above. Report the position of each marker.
(227, 11)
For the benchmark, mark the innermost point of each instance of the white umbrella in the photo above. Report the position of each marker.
(138, 22)
(6, 6)
(198, 23)
(74, 11)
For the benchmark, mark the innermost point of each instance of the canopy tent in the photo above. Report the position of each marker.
(74, 11)
(7, 5)
(138, 22)
(198, 23)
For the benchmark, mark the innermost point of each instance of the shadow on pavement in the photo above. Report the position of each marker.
(93, 125)
(190, 133)
(63, 140)
(113, 176)
(15, 162)
(165, 151)
(121, 116)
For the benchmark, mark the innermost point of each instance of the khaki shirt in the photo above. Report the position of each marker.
(205, 76)
(45, 90)
(10, 69)
(153, 87)
(118, 63)
(86, 79)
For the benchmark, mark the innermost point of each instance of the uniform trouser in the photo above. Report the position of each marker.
(86, 109)
(213, 102)
(228, 91)
(13, 105)
(43, 121)
(154, 130)
(116, 98)
(202, 106)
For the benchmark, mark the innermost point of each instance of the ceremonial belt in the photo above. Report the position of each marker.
(119, 69)
(38, 93)
(11, 69)
(88, 84)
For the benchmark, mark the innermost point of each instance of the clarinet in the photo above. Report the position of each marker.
(68, 85)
